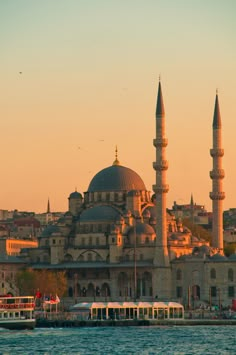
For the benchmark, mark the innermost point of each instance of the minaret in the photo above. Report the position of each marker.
(48, 207)
(217, 174)
(161, 188)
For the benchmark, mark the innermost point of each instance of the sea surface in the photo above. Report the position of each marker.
(173, 340)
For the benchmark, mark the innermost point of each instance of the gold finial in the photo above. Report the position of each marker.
(116, 161)
(216, 91)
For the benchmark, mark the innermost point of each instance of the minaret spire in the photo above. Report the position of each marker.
(160, 110)
(217, 174)
(161, 188)
(191, 200)
(48, 207)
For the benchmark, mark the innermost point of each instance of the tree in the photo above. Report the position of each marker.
(229, 248)
(47, 282)
(197, 230)
(26, 282)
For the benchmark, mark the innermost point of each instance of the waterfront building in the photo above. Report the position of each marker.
(196, 213)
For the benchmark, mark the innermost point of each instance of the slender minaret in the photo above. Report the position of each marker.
(48, 207)
(161, 188)
(217, 174)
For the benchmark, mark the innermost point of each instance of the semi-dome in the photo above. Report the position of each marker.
(99, 213)
(116, 178)
(141, 228)
(49, 230)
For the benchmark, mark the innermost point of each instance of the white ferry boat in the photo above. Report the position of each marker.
(17, 312)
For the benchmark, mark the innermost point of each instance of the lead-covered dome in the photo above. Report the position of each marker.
(116, 178)
(99, 213)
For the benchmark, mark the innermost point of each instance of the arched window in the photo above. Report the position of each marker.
(213, 274)
(70, 292)
(81, 258)
(230, 275)
(98, 257)
(90, 257)
(178, 274)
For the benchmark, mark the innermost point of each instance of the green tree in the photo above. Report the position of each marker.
(197, 230)
(229, 248)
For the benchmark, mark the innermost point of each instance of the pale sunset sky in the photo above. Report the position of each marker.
(79, 77)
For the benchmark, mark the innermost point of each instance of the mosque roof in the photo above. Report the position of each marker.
(4, 258)
(116, 178)
(218, 257)
(232, 257)
(75, 195)
(49, 230)
(99, 213)
(142, 228)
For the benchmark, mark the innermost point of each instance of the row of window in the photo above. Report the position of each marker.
(212, 274)
(112, 196)
(214, 292)
(97, 257)
(94, 228)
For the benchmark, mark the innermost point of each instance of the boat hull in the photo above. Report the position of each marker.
(16, 324)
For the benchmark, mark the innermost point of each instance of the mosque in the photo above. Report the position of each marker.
(118, 241)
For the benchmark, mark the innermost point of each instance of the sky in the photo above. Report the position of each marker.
(78, 77)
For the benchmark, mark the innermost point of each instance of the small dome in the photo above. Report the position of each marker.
(205, 249)
(232, 257)
(218, 257)
(142, 228)
(99, 213)
(75, 195)
(49, 230)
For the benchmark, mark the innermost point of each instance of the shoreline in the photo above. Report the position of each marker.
(47, 323)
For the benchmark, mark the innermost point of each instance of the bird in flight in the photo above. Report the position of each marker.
(20, 72)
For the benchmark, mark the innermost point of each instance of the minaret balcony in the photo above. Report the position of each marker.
(217, 174)
(217, 152)
(164, 188)
(163, 165)
(217, 195)
(160, 142)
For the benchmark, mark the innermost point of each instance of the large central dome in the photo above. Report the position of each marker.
(116, 178)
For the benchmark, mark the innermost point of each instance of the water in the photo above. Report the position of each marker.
(175, 340)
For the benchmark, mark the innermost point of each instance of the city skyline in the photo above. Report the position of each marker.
(79, 78)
